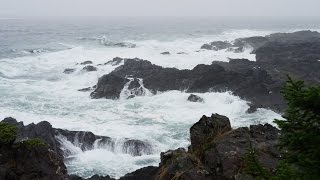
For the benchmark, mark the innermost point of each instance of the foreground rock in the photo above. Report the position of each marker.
(218, 152)
(54, 138)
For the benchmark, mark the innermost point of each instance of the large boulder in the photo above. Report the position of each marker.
(219, 152)
(208, 128)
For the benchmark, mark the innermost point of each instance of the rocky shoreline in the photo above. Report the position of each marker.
(277, 55)
(216, 151)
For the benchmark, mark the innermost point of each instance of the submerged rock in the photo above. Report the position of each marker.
(137, 147)
(68, 71)
(165, 53)
(195, 98)
(217, 45)
(115, 61)
(86, 89)
(89, 68)
(86, 62)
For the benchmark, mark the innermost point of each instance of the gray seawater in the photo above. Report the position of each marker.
(34, 53)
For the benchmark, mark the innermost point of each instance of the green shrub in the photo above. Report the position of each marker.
(253, 166)
(8, 133)
(34, 143)
(300, 132)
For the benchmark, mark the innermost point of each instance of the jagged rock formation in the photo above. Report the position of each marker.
(253, 84)
(218, 152)
(278, 55)
(82, 139)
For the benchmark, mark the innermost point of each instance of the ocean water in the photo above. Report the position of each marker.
(33, 88)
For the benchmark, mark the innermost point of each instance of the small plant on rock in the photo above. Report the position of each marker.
(8, 133)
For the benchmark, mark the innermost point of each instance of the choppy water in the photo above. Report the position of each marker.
(33, 55)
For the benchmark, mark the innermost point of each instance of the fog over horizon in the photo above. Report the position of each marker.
(151, 8)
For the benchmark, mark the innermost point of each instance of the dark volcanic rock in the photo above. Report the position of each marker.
(219, 152)
(86, 62)
(137, 147)
(115, 61)
(68, 71)
(89, 68)
(247, 81)
(109, 86)
(217, 45)
(85, 140)
(19, 161)
(86, 89)
(146, 173)
(165, 53)
(195, 98)
(41, 130)
(134, 84)
(208, 127)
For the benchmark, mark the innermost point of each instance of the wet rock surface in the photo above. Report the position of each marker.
(195, 98)
(86, 62)
(89, 68)
(218, 151)
(69, 71)
(278, 55)
(165, 53)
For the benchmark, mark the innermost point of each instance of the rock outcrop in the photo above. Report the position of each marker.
(253, 84)
(218, 152)
(278, 55)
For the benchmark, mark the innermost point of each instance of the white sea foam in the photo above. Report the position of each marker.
(34, 89)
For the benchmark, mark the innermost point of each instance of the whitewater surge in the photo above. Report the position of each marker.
(34, 89)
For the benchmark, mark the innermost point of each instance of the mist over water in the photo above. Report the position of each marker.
(33, 87)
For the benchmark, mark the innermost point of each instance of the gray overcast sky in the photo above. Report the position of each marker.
(13, 8)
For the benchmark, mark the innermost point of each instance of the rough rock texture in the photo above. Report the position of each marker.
(253, 84)
(218, 152)
(20, 162)
(195, 98)
(109, 86)
(208, 127)
(278, 55)
(146, 173)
